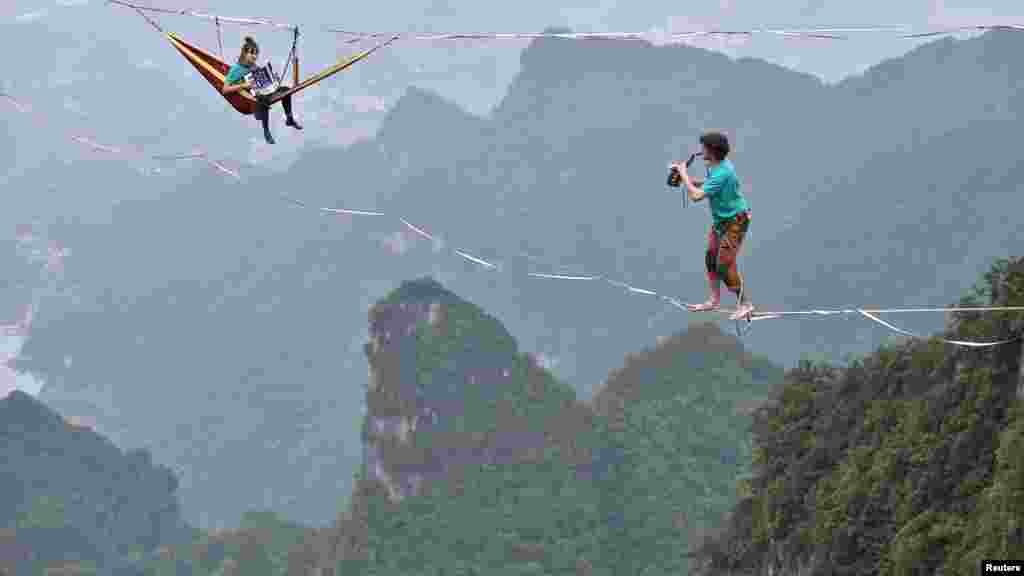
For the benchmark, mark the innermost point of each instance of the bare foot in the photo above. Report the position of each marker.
(708, 306)
(743, 311)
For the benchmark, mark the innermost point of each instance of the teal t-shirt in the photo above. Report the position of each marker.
(236, 74)
(722, 188)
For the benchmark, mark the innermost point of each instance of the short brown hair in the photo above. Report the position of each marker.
(717, 143)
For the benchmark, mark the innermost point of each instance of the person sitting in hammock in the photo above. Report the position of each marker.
(235, 81)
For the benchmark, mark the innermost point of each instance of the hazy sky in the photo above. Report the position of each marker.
(441, 66)
(474, 74)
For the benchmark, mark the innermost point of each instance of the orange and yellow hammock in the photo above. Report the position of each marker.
(215, 70)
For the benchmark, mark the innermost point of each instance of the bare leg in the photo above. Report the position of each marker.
(729, 252)
(711, 266)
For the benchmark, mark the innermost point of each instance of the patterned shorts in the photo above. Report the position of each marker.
(724, 243)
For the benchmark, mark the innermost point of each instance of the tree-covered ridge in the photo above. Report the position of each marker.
(480, 461)
(69, 497)
(909, 461)
(513, 474)
(263, 545)
(483, 475)
(681, 412)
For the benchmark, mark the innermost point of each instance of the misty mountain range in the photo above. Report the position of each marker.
(222, 328)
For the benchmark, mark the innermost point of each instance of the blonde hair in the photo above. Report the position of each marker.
(247, 46)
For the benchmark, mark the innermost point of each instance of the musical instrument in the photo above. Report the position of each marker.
(263, 80)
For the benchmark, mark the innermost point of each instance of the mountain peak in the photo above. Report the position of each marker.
(929, 62)
(418, 105)
(701, 348)
(423, 120)
(21, 409)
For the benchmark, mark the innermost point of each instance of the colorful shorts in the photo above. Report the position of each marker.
(724, 243)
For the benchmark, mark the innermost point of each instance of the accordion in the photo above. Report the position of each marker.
(263, 80)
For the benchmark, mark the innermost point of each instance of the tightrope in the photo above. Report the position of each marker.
(465, 254)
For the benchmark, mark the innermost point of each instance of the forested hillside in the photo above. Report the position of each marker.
(479, 461)
(69, 497)
(909, 461)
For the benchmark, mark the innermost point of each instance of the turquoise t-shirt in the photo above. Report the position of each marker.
(722, 188)
(236, 74)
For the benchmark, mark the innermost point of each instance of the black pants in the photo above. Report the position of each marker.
(262, 111)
